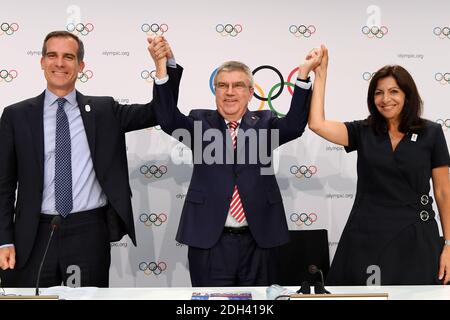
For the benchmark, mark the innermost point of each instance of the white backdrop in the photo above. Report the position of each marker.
(362, 36)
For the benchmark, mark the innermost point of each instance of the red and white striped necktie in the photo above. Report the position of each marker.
(236, 209)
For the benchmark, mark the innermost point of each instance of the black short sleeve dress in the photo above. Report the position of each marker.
(392, 224)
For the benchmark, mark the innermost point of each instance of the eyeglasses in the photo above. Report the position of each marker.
(238, 86)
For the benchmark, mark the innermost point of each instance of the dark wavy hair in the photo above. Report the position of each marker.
(64, 34)
(410, 117)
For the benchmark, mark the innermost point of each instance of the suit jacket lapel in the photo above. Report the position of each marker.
(87, 111)
(35, 116)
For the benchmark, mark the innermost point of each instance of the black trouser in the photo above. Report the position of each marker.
(236, 260)
(79, 253)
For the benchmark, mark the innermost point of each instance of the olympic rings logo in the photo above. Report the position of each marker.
(259, 93)
(7, 76)
(302, 30)
(153, 171)
(152, 267)
(374, 31)
(152, 219)
(368, 76)
(303, 171)
(442, 78)
(84, 76)
(148, 76)
(445, 124)
(442, 32)
(79, 28)
(8, 28)
(154, 29)
(229, 29)
(303, 218)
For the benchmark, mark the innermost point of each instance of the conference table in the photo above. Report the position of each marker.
(257, 293)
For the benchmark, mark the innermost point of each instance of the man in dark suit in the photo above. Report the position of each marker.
(233, 219)
(65, 154)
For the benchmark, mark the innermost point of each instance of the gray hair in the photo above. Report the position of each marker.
(235, 66)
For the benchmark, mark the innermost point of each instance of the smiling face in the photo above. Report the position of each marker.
(233, 93)
(389, 98)
(61, 65)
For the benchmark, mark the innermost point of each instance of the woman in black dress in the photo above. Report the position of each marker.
(391, 236)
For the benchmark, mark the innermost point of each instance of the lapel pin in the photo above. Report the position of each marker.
(414, 137)
(87, 108)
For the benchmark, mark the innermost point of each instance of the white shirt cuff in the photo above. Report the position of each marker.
(162, 80)
(304, 85)
(171, 63)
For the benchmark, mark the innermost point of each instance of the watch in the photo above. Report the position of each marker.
(447, 242)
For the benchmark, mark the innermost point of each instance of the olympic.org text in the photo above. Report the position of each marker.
(119, 244)
(334, 148)
(333, 243)
(123, 100)
(105, 53)
(34, 53)
(256, 144)
(339, 195)
(116, 53)
(410, 56)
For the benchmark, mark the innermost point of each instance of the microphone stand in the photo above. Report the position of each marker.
(55, 223)
(319, 287)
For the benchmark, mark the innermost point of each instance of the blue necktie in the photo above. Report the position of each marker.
(63, 162)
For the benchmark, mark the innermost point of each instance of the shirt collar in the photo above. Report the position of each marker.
(50, 98)
(238, 122)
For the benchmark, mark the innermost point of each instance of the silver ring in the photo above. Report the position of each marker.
(424, 199)
(424, 215)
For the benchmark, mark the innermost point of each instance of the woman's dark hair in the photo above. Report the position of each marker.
(410, 119)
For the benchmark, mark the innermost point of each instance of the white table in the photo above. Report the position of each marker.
(258, 293)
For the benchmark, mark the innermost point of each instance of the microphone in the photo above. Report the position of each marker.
(56, 221)
(319, 287)
(305, 288)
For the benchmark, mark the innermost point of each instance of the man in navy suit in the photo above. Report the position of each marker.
(233, 219)
(86, 135)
